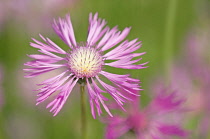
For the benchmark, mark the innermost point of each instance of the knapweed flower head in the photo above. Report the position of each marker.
(84, 63)
(159, 120)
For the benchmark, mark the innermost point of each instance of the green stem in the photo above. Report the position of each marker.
(83, 112)
(169, 39)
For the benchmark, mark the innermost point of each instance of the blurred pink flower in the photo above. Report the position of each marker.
(161, 119)
(183, 82)
(198, 60)
(191, 78)
(198, 46)
(32, 15)
(195, 87)
(197, 50)
(3, 17)
(84, 62)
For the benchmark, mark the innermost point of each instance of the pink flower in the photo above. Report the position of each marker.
(85, 63)
(159, 120)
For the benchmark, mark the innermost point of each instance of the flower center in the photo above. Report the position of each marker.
(85, 61)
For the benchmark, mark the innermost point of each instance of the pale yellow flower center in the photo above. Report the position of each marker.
(85, 62)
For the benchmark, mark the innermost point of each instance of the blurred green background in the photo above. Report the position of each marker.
(20, 118)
